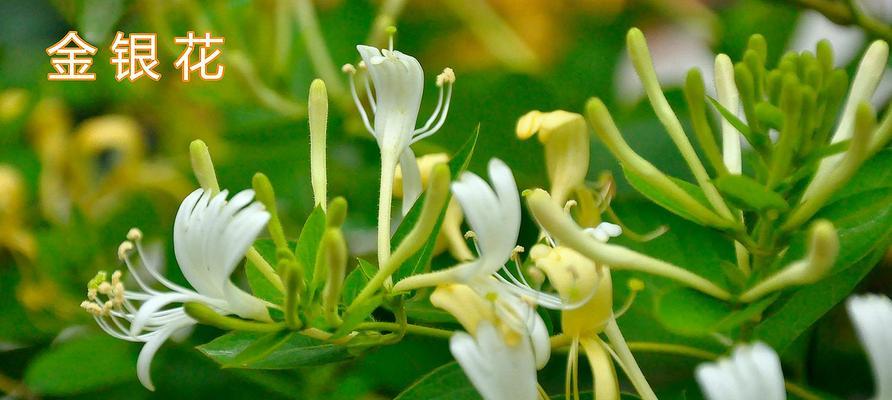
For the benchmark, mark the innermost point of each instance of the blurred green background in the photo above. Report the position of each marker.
(70, 189)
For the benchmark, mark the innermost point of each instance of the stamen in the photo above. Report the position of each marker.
(368, 93)
(365, 118)
(442, 118)
(570, 204)
(391, 31)
(635, 286)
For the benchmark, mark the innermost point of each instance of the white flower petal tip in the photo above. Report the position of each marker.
(497, 369)
(751, 372)
(871, 316)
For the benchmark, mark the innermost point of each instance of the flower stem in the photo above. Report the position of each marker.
(409, 328)
(627, 361)
(388, 167)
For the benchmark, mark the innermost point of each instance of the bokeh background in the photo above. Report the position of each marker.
(82, 162)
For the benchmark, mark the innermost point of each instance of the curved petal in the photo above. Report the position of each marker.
(212, 235)
(148, 309)
(147, 354)
(411, 179)
(752, 372)
(872, 317)
(493, 215)
(243, 304)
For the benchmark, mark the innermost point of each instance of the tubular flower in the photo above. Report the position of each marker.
(506, 343)
(211, 235)
(398, 82)
(566, 141)
(872, 316)
(752, 372)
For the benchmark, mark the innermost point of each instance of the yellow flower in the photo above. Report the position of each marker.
(566, 141)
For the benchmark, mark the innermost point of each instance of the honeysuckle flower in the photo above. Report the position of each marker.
(566, 139)
(497, 369)
(450, 237)
(398, 82)
(871, 315)
(493, 212)
(211, 236)
(752, 372)
(507, 340)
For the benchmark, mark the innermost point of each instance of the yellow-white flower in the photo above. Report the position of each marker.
(752, 372)
(506, 341)
(211, 236)
(872, 317)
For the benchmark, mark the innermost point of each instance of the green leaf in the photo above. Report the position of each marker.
(260, 286)
(691, 313)
(656, 195)
(308, 241)
(756, 140)
(295, 350)
(445, 382)
(259, 349)
(417, 262)
(748, 194)
(78, 366)
(357, 279)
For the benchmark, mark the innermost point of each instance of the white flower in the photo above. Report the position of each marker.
(398, 82)
(872, 317)
(752, 372)
(211, 236)
(497, 369)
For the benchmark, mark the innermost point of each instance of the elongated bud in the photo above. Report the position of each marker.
(318, 116)
(206, 315)
(337, 212)
(557, 223)
(263, 189)
(203, 167)
(822, 187)
(823, 247)
(726, 90)
(695, 95)
(606, 129)
(292, 276)
(435, 200)
(336, 258)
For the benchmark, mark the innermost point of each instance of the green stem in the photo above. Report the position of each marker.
(409, 328)
(385, 197)
(265, 269)
(627, 361)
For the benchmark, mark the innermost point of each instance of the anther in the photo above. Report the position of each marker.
(446, 77)
(348, 69)
(124, 250)
(134, 235)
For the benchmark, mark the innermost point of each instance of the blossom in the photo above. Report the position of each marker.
(497, 369)
(566, 140)
(872, 316)
(398, 82)
(211, 235)
(506, 341)
(752, 372)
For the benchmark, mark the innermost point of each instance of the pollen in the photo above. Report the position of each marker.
(92, 308)
(348, 69)
(446, 77)
(124, 250)
(134, 235)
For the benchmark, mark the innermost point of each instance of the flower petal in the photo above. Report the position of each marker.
(872, 317)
